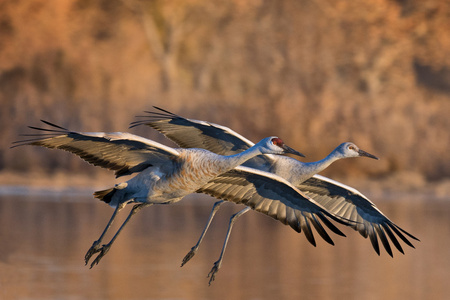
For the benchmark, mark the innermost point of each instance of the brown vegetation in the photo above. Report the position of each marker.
(316, 73)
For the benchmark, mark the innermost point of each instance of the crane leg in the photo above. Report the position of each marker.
(105, 248)
(195, 248)
(218, 263)
(96, 245)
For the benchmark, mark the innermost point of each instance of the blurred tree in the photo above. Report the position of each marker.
(316, 73)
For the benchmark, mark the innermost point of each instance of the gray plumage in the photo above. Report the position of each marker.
(166, 175)
(336, 197)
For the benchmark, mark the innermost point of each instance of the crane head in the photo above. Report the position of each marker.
(351, 150)
(275, 145)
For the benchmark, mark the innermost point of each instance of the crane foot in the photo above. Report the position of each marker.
(94, 249)
(214, 270)
(103, 250)
(189, 256)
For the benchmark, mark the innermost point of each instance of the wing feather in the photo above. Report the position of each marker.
(305, 225)
(393, 238)
(189, 133)
(350, 204)
(337, 198)
(383, 239)
(373, 238)
(321, 230)
(124, 153)
(275, 197)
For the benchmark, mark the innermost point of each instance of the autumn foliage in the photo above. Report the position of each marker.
(316, 73)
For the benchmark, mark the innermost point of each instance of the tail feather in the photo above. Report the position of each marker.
(105, 195)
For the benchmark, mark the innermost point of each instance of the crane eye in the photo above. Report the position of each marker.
(351, 147)
(277, 142)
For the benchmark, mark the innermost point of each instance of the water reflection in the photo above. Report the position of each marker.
(44, 239)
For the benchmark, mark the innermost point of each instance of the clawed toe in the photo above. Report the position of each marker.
(189, 256)
(212, 273)
(103, 251)
(94, 249)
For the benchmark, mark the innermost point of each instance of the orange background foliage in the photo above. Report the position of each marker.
(316, 73)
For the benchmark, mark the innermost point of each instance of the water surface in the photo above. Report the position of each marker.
(44, 236)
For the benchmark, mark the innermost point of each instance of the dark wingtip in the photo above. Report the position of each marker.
(134, 124)
(161, 109)
(153, 116)
(53, 125)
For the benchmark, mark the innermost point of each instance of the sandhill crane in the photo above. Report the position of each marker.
(336, 197)
(166, 175)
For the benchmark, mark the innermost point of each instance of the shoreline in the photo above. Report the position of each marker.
(76, 183)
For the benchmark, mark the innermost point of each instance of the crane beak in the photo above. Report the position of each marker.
(364, 153)
(288, 149)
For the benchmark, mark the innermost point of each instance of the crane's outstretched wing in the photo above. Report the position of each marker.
(349, 203)
(275, 197)
(337, 198)
(124, 153)
(189, 133)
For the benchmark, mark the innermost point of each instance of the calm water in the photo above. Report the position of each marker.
(45, 235)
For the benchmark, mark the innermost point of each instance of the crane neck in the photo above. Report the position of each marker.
(320, 165)
(240, 158)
